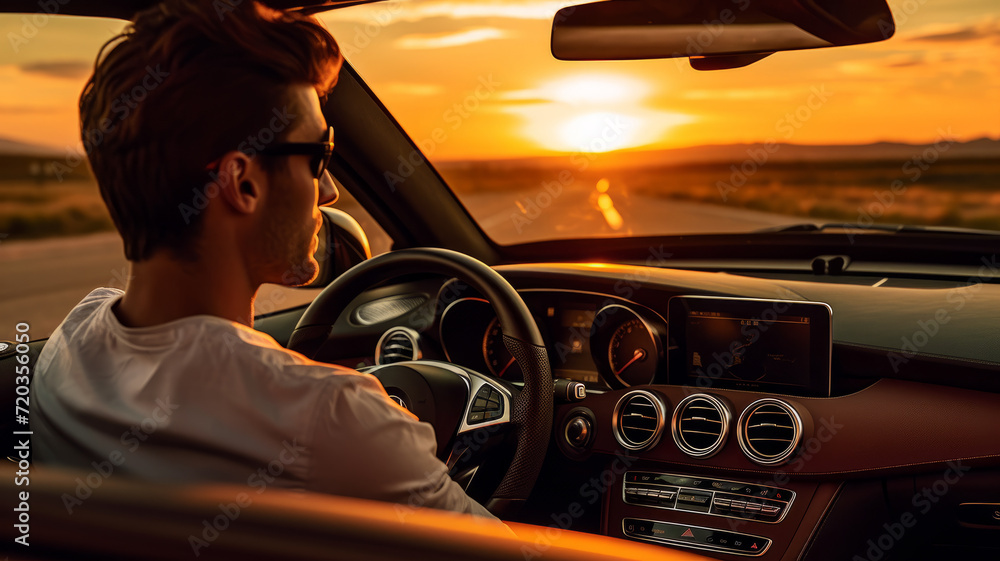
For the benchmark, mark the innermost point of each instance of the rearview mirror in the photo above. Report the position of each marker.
(714, 33)
(342, 245)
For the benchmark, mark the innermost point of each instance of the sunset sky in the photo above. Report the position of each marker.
(938, 75)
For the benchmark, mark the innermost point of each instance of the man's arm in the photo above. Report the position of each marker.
(366, 446)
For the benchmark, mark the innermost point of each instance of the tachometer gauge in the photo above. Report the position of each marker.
(498, 359)
(625, 347)
(632, 354)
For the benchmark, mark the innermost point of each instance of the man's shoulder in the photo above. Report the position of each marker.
(91, 302)
(85, 312)
(249, 346)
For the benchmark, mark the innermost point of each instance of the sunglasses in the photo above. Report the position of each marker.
(321, 152)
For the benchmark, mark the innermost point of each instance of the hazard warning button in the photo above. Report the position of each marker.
(695, 537)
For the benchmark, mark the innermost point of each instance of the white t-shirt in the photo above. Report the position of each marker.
(205, 399)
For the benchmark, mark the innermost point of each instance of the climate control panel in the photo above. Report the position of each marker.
(717, 497)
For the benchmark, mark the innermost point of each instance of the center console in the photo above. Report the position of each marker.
(709, 496)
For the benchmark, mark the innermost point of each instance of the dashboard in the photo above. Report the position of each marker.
(857, 408)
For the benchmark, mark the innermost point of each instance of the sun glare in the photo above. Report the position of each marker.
(593, 113)
(600, 132)
(596, 89)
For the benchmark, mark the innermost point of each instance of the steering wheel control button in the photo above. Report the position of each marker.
(695, 537)
(702, 495)
(487, 405)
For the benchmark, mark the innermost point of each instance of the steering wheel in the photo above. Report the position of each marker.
(528, 411)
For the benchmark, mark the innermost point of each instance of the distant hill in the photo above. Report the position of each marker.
(16, 155)
(21, 161)
(10, 147)
(982, 148)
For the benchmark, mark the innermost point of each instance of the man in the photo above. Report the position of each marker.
(204, 130)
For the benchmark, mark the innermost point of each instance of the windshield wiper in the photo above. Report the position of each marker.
(880, 228)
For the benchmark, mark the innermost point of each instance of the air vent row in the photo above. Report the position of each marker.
(700, 425)
(398, 344)
(769, 431)
(639, 420)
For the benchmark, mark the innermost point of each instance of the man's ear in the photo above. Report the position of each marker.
(239, 182)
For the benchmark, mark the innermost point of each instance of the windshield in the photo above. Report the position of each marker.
(905, 131)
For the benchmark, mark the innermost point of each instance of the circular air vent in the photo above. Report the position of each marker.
(639, 420)
(700, 425)
(398, 344)
(769, 431)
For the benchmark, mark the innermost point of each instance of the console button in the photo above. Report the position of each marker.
(694, 536)
(710, 496)
(766, 510)
(979, 514)
(698, 501)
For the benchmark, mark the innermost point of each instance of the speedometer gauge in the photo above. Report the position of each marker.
(498, 359)
(625, 347)
(632, 354)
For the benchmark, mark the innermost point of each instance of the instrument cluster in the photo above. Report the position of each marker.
(597, 339)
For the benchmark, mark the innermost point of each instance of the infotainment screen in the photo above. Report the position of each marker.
(775, 346)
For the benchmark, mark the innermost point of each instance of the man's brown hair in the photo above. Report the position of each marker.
(187, 82)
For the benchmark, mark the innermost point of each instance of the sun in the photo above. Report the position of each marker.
(591, 113)
(596, 89)
(600, 132)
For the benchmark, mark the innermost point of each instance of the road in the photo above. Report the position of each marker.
(538, 215)
(41, 280)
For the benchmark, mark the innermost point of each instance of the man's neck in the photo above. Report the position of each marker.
(163, 289)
